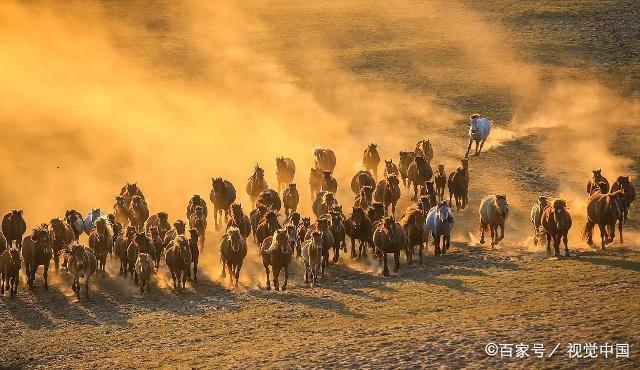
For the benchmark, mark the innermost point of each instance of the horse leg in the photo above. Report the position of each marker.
(56, 259)
(237, 272)
(603, 234)
(385, 270)
(468, 148)
(396, 257)
(415, 191)
(447, 240)
(286, 277)
(195, 271)
(494, 231)
(548, 244)
(45, 275)
(266, 269)
(276, 277)
(620, 230)
(565, 241)
(481, 145)
(393, 208)
(436, 244)
(306, 273)
(501, 231)
(483, 225)
(535, 234)
(3, 282)
(353, 247)
(336, 253)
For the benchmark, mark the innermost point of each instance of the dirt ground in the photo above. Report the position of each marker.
(570, 60)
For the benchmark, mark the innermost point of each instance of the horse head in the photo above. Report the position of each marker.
(597, 174)
(258, 172)
(194, 234)
(130, 232)
(294, 218)
(234, 238)
(57, 226)
(77, 256)
(292, 236)
(236, 211)
(474, 123)
(559, 209)
(372, 146)
(392, 182)
(316, 240)
(132, 188)
(180, 226)
(444, 213)
(501, 205)
(154, 232)
(120, 203)
(280, 241)
(217, 183)
(328, 198)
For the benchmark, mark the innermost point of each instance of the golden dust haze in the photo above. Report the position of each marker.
(94, 95)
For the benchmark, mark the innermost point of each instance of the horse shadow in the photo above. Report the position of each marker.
(611, 262)
(324, 303)
(28, 313)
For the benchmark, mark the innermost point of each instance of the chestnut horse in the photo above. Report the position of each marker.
(290, 199)
(358, 227)
(325, 159)
(458, 184)
(276, 254)
(419, 172)
(604, 210)
(389, 237)
(406, 158)
(360, 179)
(371, 159)
(595, 181)
(425, 150)
(440, 179)
(233, 250)
(414, 224)
(624, 183)
(36, 251)
(240, 220)
(256, 183)
(556, 222)
(223, 194)
(388, 192)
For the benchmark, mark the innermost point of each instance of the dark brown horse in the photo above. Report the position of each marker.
(256, 183)
(121, 210)
(179, 228)
(14, 227)
(194, 202)
(322, 225)
(315, 182)
(256, 216)
(240, 220)
(116, 227)
(338, 232)
(161, 221)
(129, 191)
(425, 150)
(623, 183)
(178, 259)
(371, 159)
(325, 159)
(100, 242)
(595, 180)
(223, 194)
(329, 183)
(233, 250)
(194, 245)
(360, 179)
(10, 263)
(440, 179)
(61, 235)
(414, 225)
(390, 168)
(604, 210)
(419, 172)
(285, 171)
(157, 246)
(138, 212)
(276, 253)
(82, 263)
(429, 191)
(406, 158)
(358, 227)
(271, 199)
(389, 237)
(388, 192)
(74, 218)
(364, 199)
(556, 222)
(290, 198)
(323, 203)
(122, 244)
(376, 212)
(267, 226)
(140, 244)
(458, 184)
(198, 221)
(36, 251)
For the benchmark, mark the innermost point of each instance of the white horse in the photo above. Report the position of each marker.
(90, 220)
(536, 217)
(478, 132)
(440, 221)
(494, 211)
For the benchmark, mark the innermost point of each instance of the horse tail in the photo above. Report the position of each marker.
(484, 226)
(587, 230)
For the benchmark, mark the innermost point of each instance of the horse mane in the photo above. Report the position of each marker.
(317, 150)
(559, 203)
(233, 231)
(409, 216)
(107, 224)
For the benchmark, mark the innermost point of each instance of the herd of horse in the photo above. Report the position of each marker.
(141, 241)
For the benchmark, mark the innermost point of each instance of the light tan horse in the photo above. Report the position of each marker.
(82, 263)
(536, 216)
(494, 211)
(312, 256)
(371, 159)
(144, 269)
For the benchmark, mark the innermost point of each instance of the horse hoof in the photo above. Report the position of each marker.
(482, 241)
(284, 288)
(386, 273)
(268, 287)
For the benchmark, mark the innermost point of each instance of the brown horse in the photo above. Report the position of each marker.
(14, 227)
(301, 232)
(194, 243)
(338, 232)
(275, 253)
(223, 194)
(271, 199)
(406, 158)
(100, 242)
(429, 191)
(36, 251)
(360, 179)
(556, 222)
(256, 216)
(144, 270)
(312, 256)
(388, 192)
(240, 220)
(323, 203)
(116, 227)
(138, 212)
(376, 212)
(600, 188)
(315, 181)
(325, 159)
(414, 225)
(322, 225)
(122, 244)
(285, 171)
(458, 184)
(329, 183)
(389, 237)
(157, 246)
(233, 250)
(440, 179)
(198, 221)
(129, 191)
(194, 202)
(267, 226)
(390, 168)
(74, 218)
(256, 183)
(419, 172)
(161, 221)
(623, 183)
(358, 227)
(290, 198)
(604, 210)
(10, 270)
(425, 150)
(121, 210)
(364, 199)
(82, 263)
(595, 181)
(179, 228)
(61, 235)
(371, 159)
(178, 259)
(140, 244)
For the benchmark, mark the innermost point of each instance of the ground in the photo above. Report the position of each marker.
(441, 313)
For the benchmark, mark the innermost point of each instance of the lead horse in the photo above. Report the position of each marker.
(479, 130)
